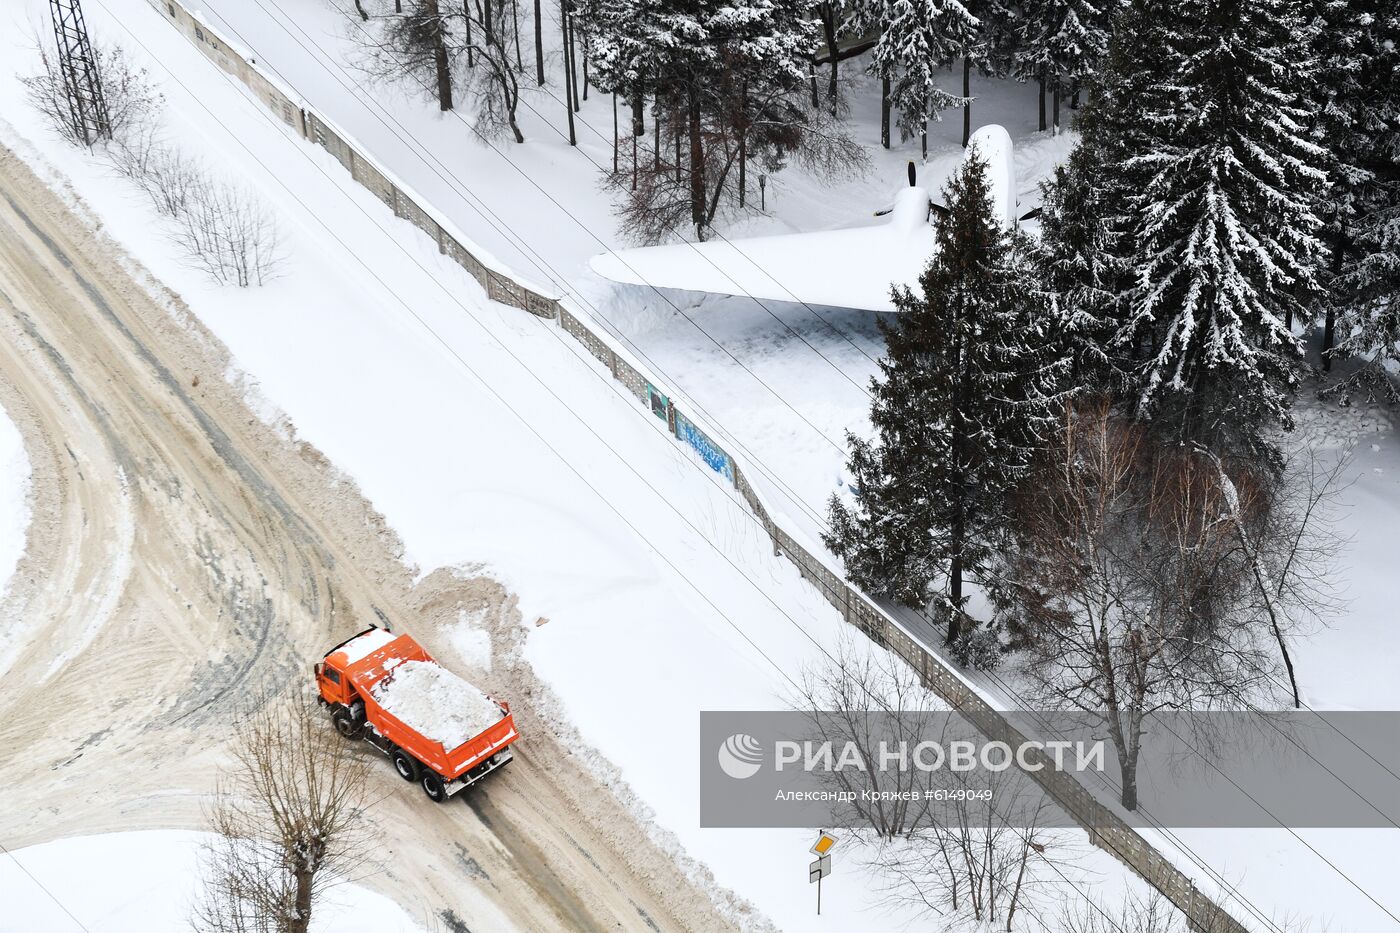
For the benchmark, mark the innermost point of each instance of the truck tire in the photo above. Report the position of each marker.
(432, 786)
(406, 765)
(346, 725)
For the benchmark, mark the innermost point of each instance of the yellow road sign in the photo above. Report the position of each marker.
(824, 844)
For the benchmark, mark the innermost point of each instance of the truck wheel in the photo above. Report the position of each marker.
(432, 786)
(346, 725)
(406, 765)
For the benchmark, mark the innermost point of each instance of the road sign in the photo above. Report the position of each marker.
(819, 870)
(824, 844)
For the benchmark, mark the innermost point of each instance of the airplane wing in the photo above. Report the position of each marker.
(850, 268)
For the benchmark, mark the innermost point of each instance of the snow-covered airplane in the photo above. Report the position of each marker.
(851, 267)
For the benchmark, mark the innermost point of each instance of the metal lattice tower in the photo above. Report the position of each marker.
(87, 108)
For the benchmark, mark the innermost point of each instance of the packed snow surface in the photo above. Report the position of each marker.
(14, 498)
(146, 882)
(362, 646)
(436, 702)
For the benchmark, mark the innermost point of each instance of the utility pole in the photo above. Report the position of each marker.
(87, 108)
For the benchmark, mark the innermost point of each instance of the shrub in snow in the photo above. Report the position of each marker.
(227, 232)
(223, 229)
(132, 102)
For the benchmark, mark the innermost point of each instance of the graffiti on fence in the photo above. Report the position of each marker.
(708, 450)
(657, 401)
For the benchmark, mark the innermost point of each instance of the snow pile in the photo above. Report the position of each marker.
(362, 646)
(436, 702)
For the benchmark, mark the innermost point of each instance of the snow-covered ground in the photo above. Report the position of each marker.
(486, 438)
(14, 499)
(660, 601)
(147, 882)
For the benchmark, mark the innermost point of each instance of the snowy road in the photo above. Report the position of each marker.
(183, 557)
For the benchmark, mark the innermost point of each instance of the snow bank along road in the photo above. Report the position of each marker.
(183, 558)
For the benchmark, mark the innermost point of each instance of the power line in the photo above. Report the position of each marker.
(496, 395)
(600, 439)
(61, 906)
(541, 263)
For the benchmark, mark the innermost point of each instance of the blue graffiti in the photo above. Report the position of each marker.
(706, 448)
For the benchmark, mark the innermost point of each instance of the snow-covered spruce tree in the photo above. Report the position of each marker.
(1059, 41)
(1081, 272)
(1084, 251)
(729, 82)
(625, 41)
(966, 392)
(1224, 232)
(1359, 122)
(918, 40)
(988, 50)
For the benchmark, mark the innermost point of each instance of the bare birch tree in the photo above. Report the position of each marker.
(1132, 589)
(288, 823)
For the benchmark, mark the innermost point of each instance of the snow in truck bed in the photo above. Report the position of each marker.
(436, 702)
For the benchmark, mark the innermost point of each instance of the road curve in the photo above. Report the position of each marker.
(185, 558)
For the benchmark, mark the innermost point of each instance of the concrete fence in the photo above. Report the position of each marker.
(1105, 828)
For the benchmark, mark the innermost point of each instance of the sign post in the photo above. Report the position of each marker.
(822, 866)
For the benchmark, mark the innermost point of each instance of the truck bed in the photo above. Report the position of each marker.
(376, 668)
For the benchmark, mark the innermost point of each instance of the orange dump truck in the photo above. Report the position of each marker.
(439, 730)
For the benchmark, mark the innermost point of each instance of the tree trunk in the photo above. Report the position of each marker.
(812, 71)
(743, 141)
(568, 109)
(1329, 328)
(360, 8)
(1055, 125)
(955, 575)
(302, 921)
(656, 138)
(539, 44)
(585, 71)
(638, 114)
(1074, 94)
(1041, 79)
(467, 25)
(515, 29)
(614, 133)
(510, 92)
(828, 18)
(573, 55)
(967, 98)
(1129, 797)
(697, 164)
(488, 31)
(885, 111)
(444, 73)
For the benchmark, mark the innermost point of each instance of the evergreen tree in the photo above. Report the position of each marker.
(1085, 247)
(1082, 274)
(1359, 122)
(718, 69)
(1060, 40)
(918, 40)
(966, 392)
(989, 49)
(1224, 232)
